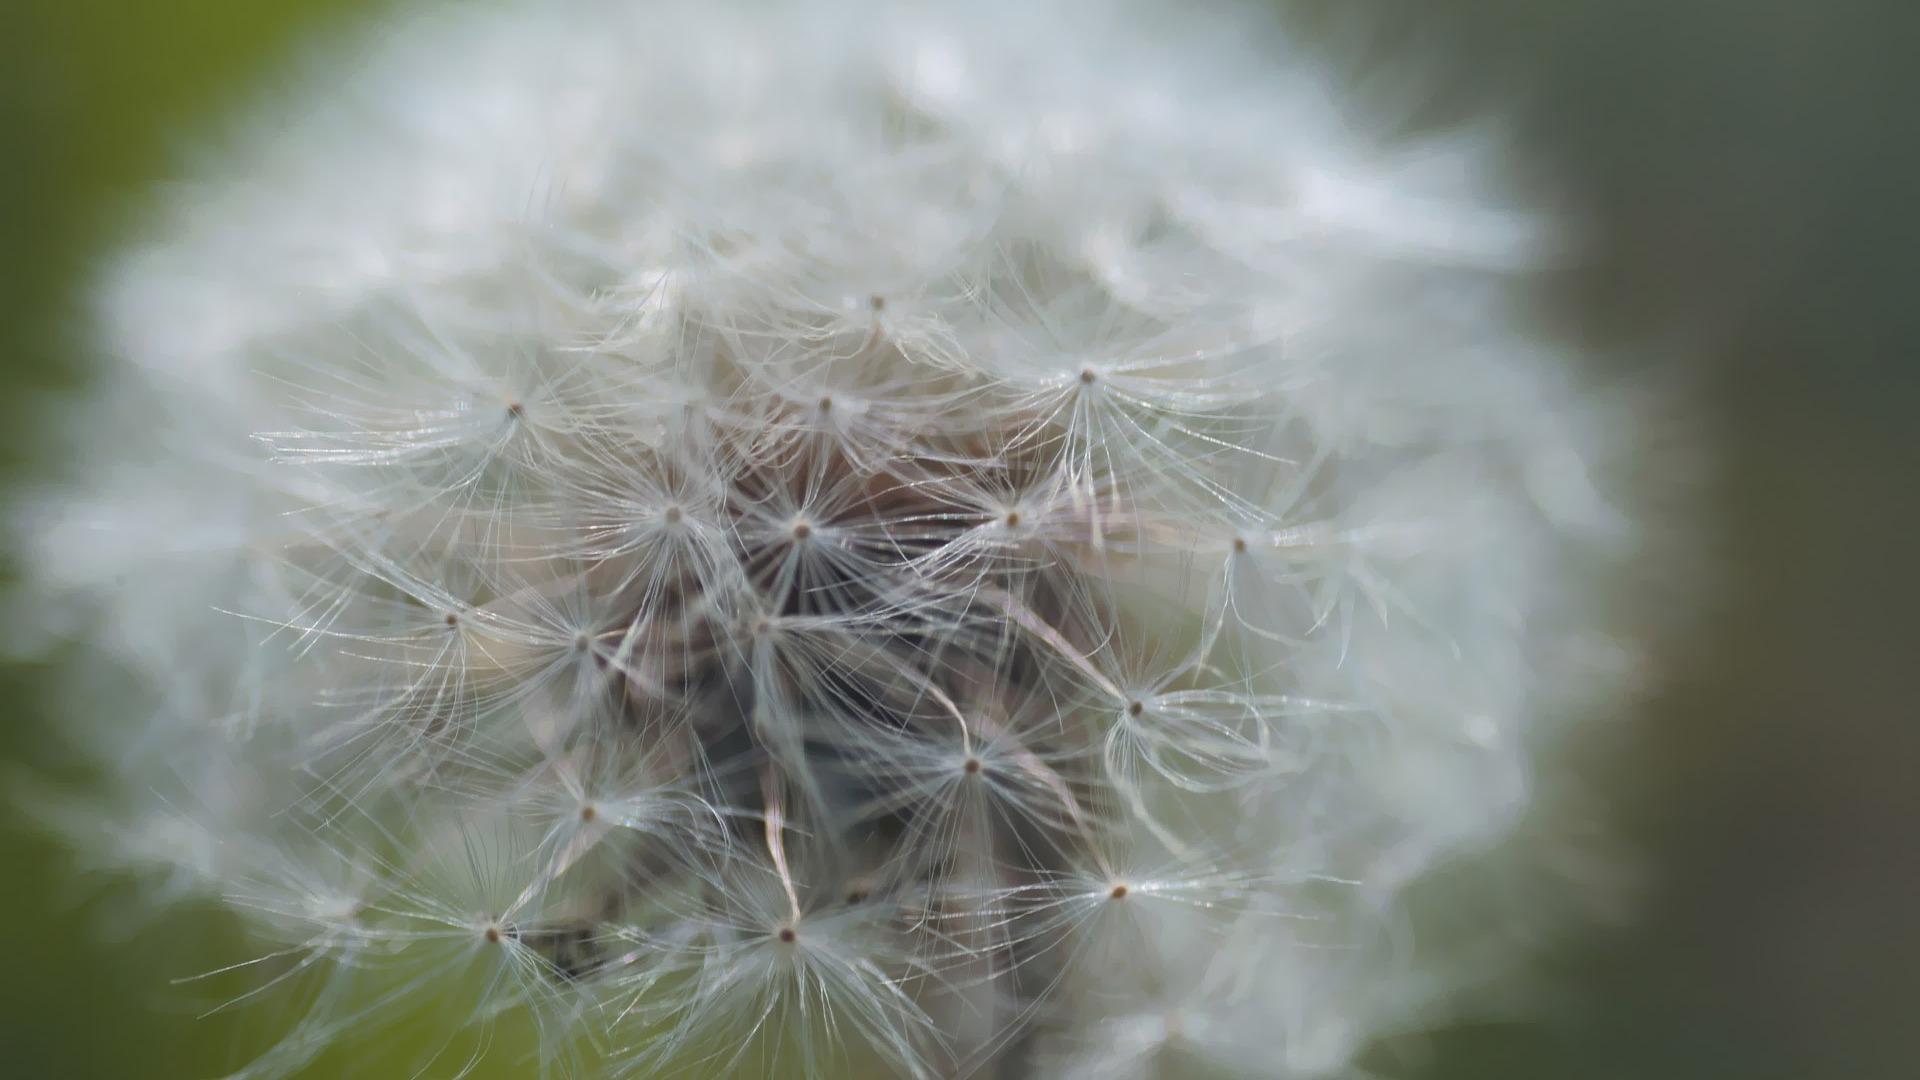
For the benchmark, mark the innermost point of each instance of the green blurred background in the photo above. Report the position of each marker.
(1754, 167)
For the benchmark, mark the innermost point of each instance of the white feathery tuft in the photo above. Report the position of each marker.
(847, 538)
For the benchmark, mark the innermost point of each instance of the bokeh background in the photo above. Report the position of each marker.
(1751, 173)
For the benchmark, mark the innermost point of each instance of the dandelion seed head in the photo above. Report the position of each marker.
(878, 538)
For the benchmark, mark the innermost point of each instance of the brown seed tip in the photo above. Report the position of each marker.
(802, 530)
(787, 935)
(1239, 544)
(1118, 892)
(1089, 376)
(1135, 708)
(971, 766)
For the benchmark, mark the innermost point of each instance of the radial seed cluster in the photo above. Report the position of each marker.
(833, 539)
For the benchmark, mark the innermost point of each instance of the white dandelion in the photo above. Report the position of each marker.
(847, 538)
